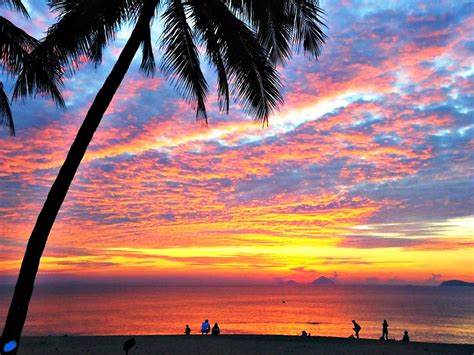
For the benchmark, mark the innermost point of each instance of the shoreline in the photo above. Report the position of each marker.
(230, 344)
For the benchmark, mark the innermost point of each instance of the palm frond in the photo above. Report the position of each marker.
(42, 74)
(148, 59)
(6, 118)
(308, 30)
(15, 44)
(16, 5)
(274, 31)
(85, 27)
(181, 59)
(271, 21)
(254, 79)
(206, 30)
(97, 46)
(282, 24)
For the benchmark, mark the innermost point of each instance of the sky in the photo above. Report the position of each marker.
(364, 175)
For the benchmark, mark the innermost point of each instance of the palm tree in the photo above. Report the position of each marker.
(15, 47)
(244, 41)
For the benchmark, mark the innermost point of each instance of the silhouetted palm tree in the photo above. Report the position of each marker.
(244, 41)
(15, 47)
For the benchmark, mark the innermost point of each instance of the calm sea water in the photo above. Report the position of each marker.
(428, 313)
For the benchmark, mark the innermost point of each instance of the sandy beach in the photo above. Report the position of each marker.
(231, 344)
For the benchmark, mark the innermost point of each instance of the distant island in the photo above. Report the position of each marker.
(326, 281)
(323, 281)
(456, 283)
(291, 283)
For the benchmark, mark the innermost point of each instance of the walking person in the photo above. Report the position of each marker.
(385, 330)
(356, 328)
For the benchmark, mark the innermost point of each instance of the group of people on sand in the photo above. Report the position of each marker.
(205, 328)
(357, 328)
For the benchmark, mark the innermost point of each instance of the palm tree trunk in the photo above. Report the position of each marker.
(39, 236)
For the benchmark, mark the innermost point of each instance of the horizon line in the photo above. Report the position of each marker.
(199, 283)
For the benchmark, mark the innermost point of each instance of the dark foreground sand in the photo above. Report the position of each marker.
(230, 344)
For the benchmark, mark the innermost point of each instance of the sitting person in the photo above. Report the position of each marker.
(304, 334)
(215, 329)
(187, 330)
(406, 338)
(205, 327)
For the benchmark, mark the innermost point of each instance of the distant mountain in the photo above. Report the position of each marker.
(322, 281)
(288, 283)
(457, 283)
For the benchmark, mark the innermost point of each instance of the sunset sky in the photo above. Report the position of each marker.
(364, 175)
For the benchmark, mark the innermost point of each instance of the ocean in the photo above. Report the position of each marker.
(434, 314)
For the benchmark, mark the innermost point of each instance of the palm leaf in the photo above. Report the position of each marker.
(16, 5)
(148, 59)
(83, 29)
(272, 23)
(308, 30)
(97, 46)
(254, 79)
(274, 31)
(281, 24)
(15, 44)
(6, 118)
(41, 74)
(181, 58)
(95, 23)
(206, 31)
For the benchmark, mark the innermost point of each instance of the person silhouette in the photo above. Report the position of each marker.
(187, 330)
(356, 329)
(215, 329)
(304, 333)
(205, 327)
(385, 330)
(406, 338)
(130, 343)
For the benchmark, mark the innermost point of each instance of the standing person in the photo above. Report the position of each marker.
(385, 330)
(187, 330)
(215, 329)
(356, 329)
(205, 327)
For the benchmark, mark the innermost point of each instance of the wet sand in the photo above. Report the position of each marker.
(231, 344)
